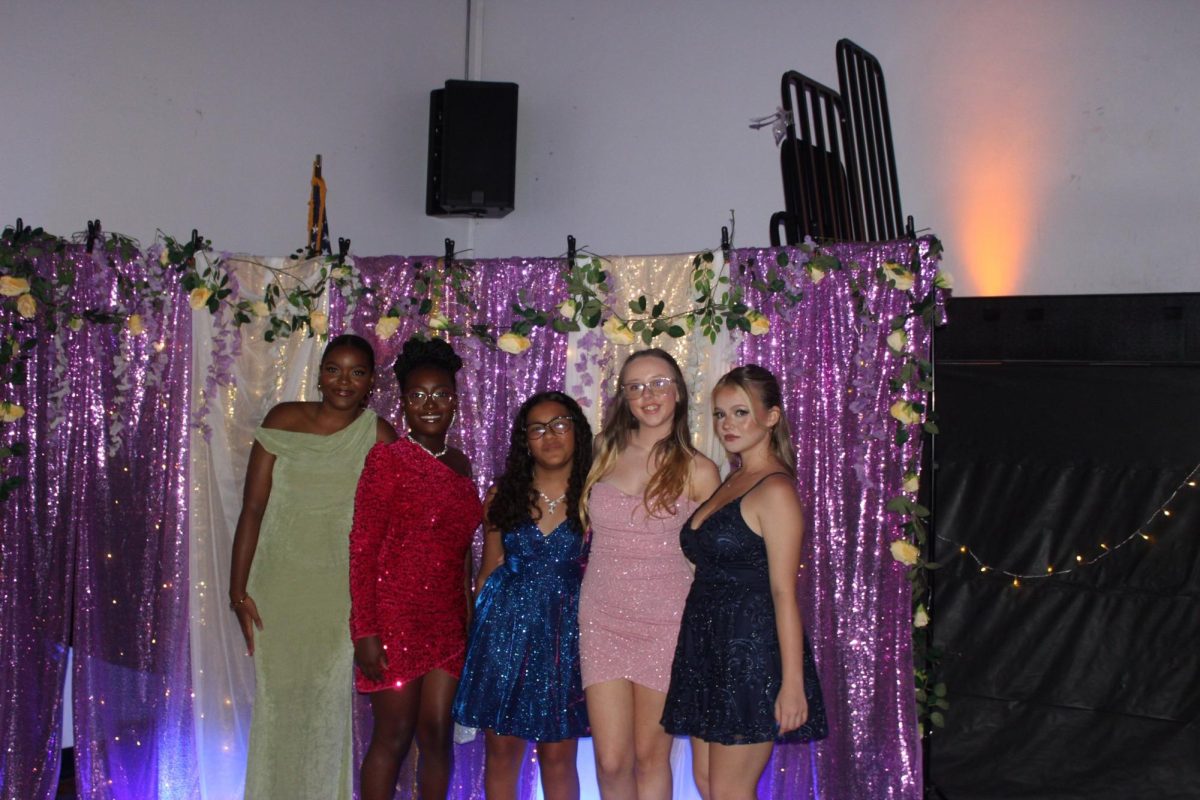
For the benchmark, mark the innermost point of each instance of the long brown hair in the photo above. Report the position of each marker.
(758, 383)
(671, 456)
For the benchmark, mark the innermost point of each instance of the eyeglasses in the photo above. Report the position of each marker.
(658, 387)
(561, 426)
(417, 397)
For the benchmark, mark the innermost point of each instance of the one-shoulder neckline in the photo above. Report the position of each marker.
(365, 412)
(414, 446)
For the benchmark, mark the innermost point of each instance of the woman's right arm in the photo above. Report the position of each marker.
(372, 510)
(255, 495)
(493, 546)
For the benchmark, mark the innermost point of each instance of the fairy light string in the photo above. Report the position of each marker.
(1164, 510)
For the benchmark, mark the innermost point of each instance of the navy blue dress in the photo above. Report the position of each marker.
(727, 671)
(521, 676)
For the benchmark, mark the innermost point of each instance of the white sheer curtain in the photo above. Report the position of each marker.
(262, 374)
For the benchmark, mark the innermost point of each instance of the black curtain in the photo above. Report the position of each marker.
(1087, 684)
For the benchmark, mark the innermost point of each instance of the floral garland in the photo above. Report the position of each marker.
(36, 297)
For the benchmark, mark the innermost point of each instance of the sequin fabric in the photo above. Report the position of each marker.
(414, 519)
(727, 673)
(521, 676)
(633, 590)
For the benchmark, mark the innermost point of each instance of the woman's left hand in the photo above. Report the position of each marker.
(791, 706)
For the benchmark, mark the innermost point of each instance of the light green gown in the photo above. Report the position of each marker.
(301, 742)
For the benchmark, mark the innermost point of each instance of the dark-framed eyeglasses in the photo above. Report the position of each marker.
(657, 387)
(417, 397)
(561, 426)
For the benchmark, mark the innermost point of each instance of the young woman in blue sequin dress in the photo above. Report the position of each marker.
(520, 682)
(743, 675)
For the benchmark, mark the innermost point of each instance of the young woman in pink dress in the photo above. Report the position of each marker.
(646, 480)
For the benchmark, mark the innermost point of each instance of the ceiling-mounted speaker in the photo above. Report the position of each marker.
(472, 170)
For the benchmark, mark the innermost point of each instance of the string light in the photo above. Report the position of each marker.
(1080, 560)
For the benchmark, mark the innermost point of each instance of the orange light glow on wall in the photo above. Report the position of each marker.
(995, 209)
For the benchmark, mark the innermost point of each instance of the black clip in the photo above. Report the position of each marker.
(195, 241)
(910, 228)
(570, 252)
(343, 250)
(17, 231)
(725, 242)
(93, 233)
(449, 253)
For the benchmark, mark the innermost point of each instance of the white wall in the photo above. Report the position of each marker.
(1052, 145)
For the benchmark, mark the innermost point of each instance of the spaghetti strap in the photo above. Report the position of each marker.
(760, 480)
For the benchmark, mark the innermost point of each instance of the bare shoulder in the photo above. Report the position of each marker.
(384, 432)
(293, 416)
(774, 498)
(705, 477)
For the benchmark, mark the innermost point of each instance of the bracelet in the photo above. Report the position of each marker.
(234, 604)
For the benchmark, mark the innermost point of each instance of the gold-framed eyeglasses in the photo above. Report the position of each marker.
(656, 386)
(561, 426)
(417, 397)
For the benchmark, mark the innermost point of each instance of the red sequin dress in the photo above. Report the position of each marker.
(414, 519)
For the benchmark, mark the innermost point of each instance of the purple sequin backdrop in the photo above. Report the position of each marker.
(834, 368)
(98, 536)
(95, 549)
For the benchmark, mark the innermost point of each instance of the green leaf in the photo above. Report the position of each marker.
(781, 258)
(899, 504)
(426, 306)
(937, 719)
(675, 331)
(931, 427)
(658, 308)
(707, 256)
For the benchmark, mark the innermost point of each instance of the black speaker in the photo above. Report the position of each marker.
(472, 149)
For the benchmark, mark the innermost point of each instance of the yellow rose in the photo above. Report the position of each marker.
(618, 332)
(912, 482)
(319, 322)
(566, 309)
(26, 306)
(12, 287)
(164, 257)
(260, 308)
(816, 274)
(75, 323)
(921, 617)
(758, 323)
(134, 324)
(199, 297)
(438, 322)
(904, 411)
(337, 273)
(513, 342)
(897, 340)
(10, 412)
(898, 276)
(386, 327)
(943, 280)
(905, 552)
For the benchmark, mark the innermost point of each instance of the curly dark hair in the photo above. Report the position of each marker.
(426, 353)
(515, 497)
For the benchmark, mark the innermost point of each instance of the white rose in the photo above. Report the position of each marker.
(319, 322)
(905, 552)
(921, 617)
(912, 482)
(164, 257)
(758, 323)
(438, 322)
(513, 342)
(386, 326)
(198, 298)
(943, 280)
(337, 273)
(618, 332)
(567, 308)
(134, 324)
(12, 287)
(10, 412)
(260, 308)
(26, 306)
(897, 340)
(904, 411)
(75, 323)
(898, 276)
(816, 274)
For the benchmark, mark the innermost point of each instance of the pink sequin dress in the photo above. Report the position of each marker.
(633, 590)
(414, 519)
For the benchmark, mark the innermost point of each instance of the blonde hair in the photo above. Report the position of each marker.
(671, 456)
(758, 383)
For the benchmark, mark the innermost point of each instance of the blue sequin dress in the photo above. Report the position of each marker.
(727, 671)
(521, 676)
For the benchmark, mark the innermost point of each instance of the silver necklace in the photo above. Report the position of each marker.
(438, 454)
(551, 505)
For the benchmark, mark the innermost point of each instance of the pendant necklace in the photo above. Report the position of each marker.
(551, 505)
(438, 454)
